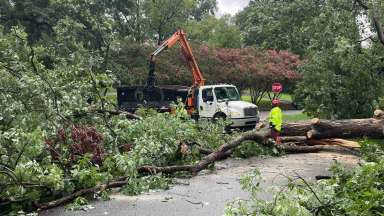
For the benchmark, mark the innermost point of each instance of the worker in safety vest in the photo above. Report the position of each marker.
(275, 121)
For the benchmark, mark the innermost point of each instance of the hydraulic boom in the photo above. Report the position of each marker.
(180, 37)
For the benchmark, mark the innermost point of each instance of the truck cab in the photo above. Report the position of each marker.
(224, 101)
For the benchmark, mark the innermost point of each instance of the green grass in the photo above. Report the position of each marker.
(265, 103)
(265, 99)
(296, 117)
(246, 98)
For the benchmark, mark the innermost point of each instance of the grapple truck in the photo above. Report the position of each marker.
(202, 101)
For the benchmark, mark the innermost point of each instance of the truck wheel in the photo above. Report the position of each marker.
(195, 116)
(218, 116)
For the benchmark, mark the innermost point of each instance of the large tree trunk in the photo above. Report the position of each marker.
(352, 128)
(295, 149)
(335, 142)
(296, 128)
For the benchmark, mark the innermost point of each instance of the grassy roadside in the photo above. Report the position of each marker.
(284, 97)
(296, 117)
(265, 103)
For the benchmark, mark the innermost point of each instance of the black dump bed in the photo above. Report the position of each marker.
(129, 98)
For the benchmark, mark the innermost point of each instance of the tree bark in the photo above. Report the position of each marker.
(294, 139)
(352, 128)
(380, 33)
(378, 114)
(79, 193)
(335, 142)
(296, 128)
(294, 149)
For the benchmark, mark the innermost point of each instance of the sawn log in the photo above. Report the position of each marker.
(351, 128)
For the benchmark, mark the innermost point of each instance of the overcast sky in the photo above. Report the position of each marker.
(231, 6)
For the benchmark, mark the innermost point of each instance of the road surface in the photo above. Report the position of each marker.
(207, 193)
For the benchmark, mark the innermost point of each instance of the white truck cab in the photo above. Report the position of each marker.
(224, 101)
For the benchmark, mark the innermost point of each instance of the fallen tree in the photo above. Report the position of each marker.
(296, 128)
(298, 137)
(336, 142)
(351, 128)
(305, 136)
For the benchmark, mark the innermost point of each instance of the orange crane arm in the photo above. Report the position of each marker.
(180, 37)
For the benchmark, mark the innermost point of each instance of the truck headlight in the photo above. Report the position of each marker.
(235, 114)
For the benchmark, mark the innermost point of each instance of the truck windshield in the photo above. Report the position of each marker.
(227, 93)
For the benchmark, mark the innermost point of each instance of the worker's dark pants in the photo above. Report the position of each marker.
(275, 135)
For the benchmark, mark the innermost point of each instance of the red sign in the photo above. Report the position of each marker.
(277, 87)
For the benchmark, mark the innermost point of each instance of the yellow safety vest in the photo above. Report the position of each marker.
(276, 118)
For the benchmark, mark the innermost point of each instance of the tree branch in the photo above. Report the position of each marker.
(117, 112)
(379, 29)
(82, 192)
(310, 188)
(367, 38)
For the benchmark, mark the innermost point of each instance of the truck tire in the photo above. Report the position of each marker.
(218, 116)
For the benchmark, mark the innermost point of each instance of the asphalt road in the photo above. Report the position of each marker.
(207, 193)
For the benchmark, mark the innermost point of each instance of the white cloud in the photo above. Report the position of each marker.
(230, 6)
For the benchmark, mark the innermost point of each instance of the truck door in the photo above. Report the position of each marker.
(207, 104)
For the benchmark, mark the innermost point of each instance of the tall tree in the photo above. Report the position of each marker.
(37, 17)
(226, 34)
(203, 8)
(219, 33)
(164, 16)
(297, 25)
(341, 79)
(130, 19)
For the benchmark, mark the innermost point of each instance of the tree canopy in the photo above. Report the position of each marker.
(339, 73)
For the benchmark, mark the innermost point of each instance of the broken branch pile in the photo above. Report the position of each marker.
(298, 137)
